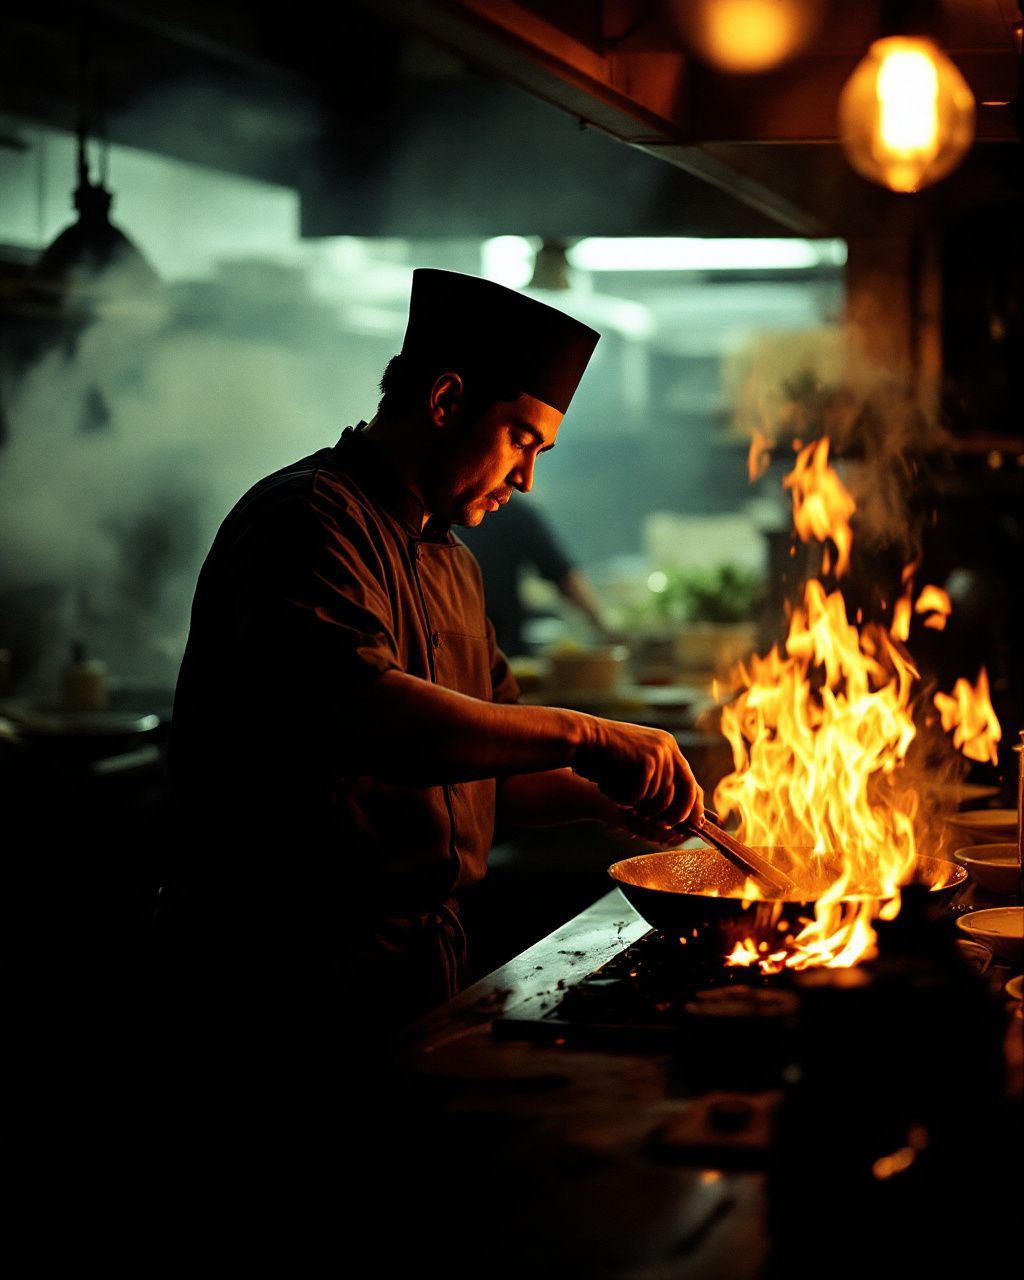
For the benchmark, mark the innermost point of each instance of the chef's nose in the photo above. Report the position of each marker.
(521, 477)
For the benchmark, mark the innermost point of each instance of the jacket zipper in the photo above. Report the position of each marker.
(453, 851)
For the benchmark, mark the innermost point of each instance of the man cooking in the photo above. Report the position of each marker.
(346, 732)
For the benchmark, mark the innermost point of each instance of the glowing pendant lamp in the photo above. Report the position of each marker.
(746, 36)
(906, 115)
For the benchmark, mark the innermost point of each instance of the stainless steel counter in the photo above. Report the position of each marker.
(565, 1139)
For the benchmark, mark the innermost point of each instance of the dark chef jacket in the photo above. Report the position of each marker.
(294, 862)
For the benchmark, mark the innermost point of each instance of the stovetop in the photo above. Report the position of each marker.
(755, 1064)
(737, 1028)
(647, 997)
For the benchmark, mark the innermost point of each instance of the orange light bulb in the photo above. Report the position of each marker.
(744, 36)
(906, 115)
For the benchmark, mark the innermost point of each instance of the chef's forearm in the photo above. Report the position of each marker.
(405, 729)
(551, 798)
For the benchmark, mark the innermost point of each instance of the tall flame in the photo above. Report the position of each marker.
(816, 735)
(819, 734)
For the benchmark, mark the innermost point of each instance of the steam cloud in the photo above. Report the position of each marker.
(125, 453)
(802, 386)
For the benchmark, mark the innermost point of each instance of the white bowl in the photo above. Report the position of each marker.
(596, 670)
(995, 867)
(1001, 929)
(979, 825)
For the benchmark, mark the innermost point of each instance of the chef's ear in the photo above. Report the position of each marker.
(446, 397)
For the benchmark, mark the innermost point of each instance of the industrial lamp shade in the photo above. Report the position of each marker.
(906, 114)
(551, 267)
(91, 263)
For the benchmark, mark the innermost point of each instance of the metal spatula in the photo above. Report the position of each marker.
(768, 878)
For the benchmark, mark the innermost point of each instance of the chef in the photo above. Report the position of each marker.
(346, 733)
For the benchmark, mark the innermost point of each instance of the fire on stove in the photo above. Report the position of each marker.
(821, 732)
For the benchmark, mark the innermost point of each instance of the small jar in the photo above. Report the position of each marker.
(84, 683)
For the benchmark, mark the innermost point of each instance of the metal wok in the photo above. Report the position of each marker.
(696, 895)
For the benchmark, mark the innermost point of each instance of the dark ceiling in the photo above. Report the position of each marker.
(381, 132)
(413, 119)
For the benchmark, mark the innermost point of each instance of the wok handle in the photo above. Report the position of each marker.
(740, 855)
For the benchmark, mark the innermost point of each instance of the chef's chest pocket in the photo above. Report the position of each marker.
(462, 662)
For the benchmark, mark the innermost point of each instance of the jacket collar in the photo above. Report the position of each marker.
(365, 460)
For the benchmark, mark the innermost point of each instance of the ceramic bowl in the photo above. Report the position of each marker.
(981, 825)
(1001, 929)
(597, 670)
(992, 866)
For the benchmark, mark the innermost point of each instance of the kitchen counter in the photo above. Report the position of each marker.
(565, 1134)
(549, 1158)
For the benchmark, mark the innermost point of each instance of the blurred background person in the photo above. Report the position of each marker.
(512, 542)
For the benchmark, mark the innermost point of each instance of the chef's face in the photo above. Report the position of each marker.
(490, 455)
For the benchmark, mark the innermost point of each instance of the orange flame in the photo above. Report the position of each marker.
(933, 601)
(759, 456)
(816, 734)
(937, 604)
(748, 952)
(902, 612)
(819, 732)
(822, 505)
(969, 714)
(901, 615)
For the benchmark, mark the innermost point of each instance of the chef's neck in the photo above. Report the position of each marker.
(404, 443)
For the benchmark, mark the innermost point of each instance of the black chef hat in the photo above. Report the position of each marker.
(466, 322)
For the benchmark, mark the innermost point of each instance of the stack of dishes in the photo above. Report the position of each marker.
(1001, 929)
(981, 826)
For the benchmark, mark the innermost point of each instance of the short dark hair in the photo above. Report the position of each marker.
(406, 382)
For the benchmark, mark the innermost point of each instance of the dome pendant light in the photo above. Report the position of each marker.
(90, 272)
(92, 261)
(742, 37)
(92, 264)
(906, 114)
(551, 267)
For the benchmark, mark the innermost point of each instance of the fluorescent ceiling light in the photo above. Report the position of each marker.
(684, 253)
(508, 260)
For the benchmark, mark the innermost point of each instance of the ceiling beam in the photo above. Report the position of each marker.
(639, 97)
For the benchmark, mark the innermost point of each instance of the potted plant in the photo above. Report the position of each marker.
(711, 614)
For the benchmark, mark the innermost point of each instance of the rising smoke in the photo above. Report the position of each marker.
(799, 387)
(126, 450)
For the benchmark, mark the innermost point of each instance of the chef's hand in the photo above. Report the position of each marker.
(643, 770)
(625, 819)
